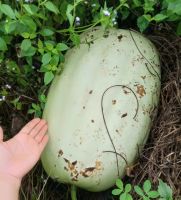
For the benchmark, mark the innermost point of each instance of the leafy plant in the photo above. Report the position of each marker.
(163, 192)
(146, 193)
(123, 192)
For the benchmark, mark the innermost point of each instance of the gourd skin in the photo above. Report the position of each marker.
(79, 151)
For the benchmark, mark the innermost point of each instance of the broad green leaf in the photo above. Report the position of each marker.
(147, 186)
(137, 3)
(153, 194)
(3, 46)
(119, 184)
(69, 15)
(164, 190)
(31, 8)
(29, 22)
(148, 6)
(51, 7)
(25, 45)
(10, 26)
(128, 188)
(116, 192)
(175, 6)
(129, 197)
(138, 190)
(48, 77)
(54, 62)
(62, 47)
(75, 39)
(7, 10)
(25, 35)
(159, 17)
(46, 58)
(142, 23)
(49, 45)
(46, 32)
(30, 52)
(123, 196)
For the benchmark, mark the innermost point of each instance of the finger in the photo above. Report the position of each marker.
(43, 143)
(41, 133)
(37, 128)
(1, 134)
(29, 126)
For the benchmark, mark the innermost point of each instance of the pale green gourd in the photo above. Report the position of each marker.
(122, 68)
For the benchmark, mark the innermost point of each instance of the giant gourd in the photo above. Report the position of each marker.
(100, 109)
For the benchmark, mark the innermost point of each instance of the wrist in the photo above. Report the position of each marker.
(10, 181)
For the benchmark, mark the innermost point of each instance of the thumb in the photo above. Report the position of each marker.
(1, 134)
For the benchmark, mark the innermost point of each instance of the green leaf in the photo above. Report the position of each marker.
(119, 184)
(116, 192)
(62, 47)
(46, 58)
(26, 48)
(153, 194)
(123, 196)
(142, 23)
(30, 52)
(164, 190)
(10, 26)
(147, 186)
(49, 45)
(175, 6)
(138, 190)
(25, 45)
(179, 29)
(31, 8)
(128, 188)
(75, 39)
(159, 17)
(137, 3)
(29, 22)
(25, 35)
(69, 15)
(129, 197)
(3, 46)
(46, 32)
(7, 10)
(48, 77)
(148, 6)
(51, 7)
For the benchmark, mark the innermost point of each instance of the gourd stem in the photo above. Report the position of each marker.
(73, 192)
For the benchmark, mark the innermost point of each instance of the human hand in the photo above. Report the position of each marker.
(19, 154)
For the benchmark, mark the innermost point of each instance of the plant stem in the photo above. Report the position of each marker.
(73, 192)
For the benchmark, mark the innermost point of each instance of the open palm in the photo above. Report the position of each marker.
(19, 154)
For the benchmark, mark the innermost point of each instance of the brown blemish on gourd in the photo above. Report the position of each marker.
(113, 102)
(65, 168)
(90, 92)
(143, 77)
(83, 107)
(60, 153)
(71, 167)
(98, 165)
(124, 115)
(87, 172)
(141, 90)
(120, 37)
(125, 91)
(75, 178)
(92, 121)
